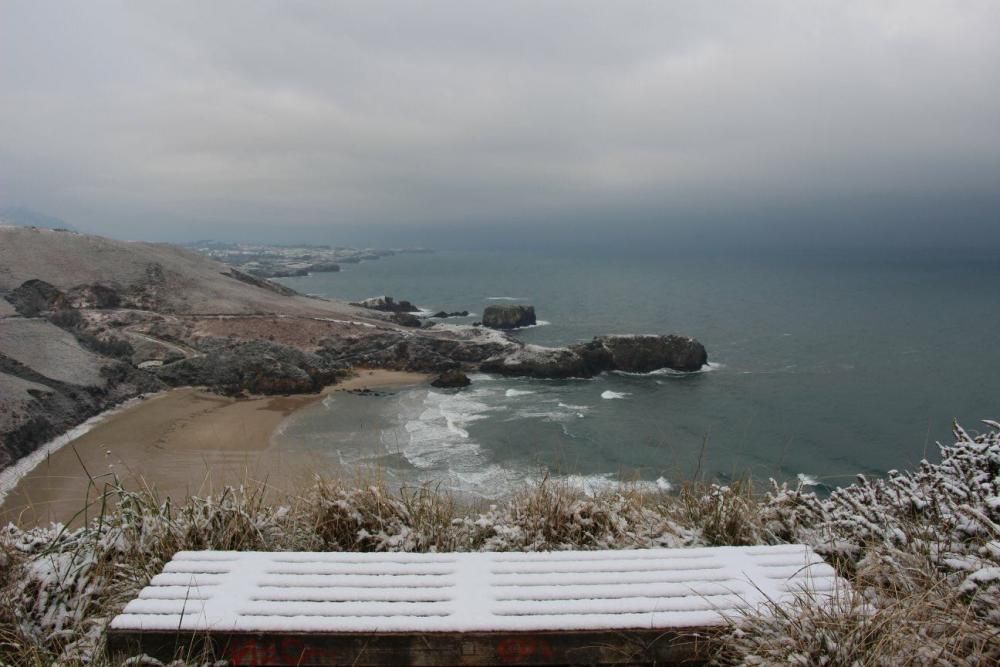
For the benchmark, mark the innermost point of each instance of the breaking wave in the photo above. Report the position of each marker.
(592, 485)
(538, 323)
(612, 395)
(669, 372)
(807, 480)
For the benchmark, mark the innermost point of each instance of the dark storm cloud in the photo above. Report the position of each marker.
(703, 120)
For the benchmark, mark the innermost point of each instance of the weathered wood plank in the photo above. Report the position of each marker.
(645, 647)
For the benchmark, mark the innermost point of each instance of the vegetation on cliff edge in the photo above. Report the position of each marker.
(921, 549)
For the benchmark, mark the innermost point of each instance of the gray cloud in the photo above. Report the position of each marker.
(165, 119)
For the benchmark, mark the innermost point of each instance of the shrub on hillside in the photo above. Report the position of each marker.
(109, 347)
(66, 318)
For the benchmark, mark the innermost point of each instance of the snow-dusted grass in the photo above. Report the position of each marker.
(921, 549)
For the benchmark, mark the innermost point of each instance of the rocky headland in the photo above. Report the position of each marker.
(387, 304)
(88, 322)
(274, 261)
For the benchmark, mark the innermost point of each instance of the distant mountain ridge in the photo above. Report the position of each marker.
(20, 216)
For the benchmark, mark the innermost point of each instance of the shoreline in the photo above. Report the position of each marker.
(15, 472)
(184, 440)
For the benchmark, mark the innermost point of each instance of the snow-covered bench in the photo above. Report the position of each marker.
(569, 607)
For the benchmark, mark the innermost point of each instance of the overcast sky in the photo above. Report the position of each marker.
(812, 122)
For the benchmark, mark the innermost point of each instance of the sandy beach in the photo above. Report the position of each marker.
(183, 442)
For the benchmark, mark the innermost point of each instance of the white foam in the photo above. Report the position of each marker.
(435, 436)
(551, 416)
(449, 317)
(512, 393)
(10, 476)
(592, 485)
(807, 480)
(504, 298)
(670, 372)
(611, 395)
(538, 323)
(657, 373)
(439, 437)
(456, 429)
(281, 430)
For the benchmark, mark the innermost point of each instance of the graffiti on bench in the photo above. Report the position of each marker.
(518, 649)
(251, 652)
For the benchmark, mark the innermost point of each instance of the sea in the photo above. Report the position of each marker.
(823, 366)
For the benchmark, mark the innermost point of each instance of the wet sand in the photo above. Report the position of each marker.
(184, 442)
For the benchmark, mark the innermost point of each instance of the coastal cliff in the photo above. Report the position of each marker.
(88, 322)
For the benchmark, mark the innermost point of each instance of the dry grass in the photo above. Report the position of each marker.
(929, 623)
(62, 586)
(922, 551)
(366, 516)
(725, 515)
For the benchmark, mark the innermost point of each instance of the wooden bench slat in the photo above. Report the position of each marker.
(312, 599)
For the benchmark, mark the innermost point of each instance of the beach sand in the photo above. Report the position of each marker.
(181, 443)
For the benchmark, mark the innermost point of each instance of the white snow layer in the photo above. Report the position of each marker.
(471, 592)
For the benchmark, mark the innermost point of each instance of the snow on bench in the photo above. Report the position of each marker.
(291, 607)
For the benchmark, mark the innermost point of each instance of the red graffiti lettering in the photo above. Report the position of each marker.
(288, 651)
(517, 649)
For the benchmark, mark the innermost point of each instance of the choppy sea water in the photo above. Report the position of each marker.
(821, 366)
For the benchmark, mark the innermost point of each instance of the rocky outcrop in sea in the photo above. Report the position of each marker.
(509, 316)
(451, 380)
(441, 314)
(492, 352)
(632, 354)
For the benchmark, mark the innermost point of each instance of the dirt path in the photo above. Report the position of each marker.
(188, 352)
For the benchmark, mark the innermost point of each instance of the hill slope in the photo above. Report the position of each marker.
(87, 322)
(160, 277)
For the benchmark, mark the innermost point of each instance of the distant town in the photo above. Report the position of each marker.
(282, 261)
